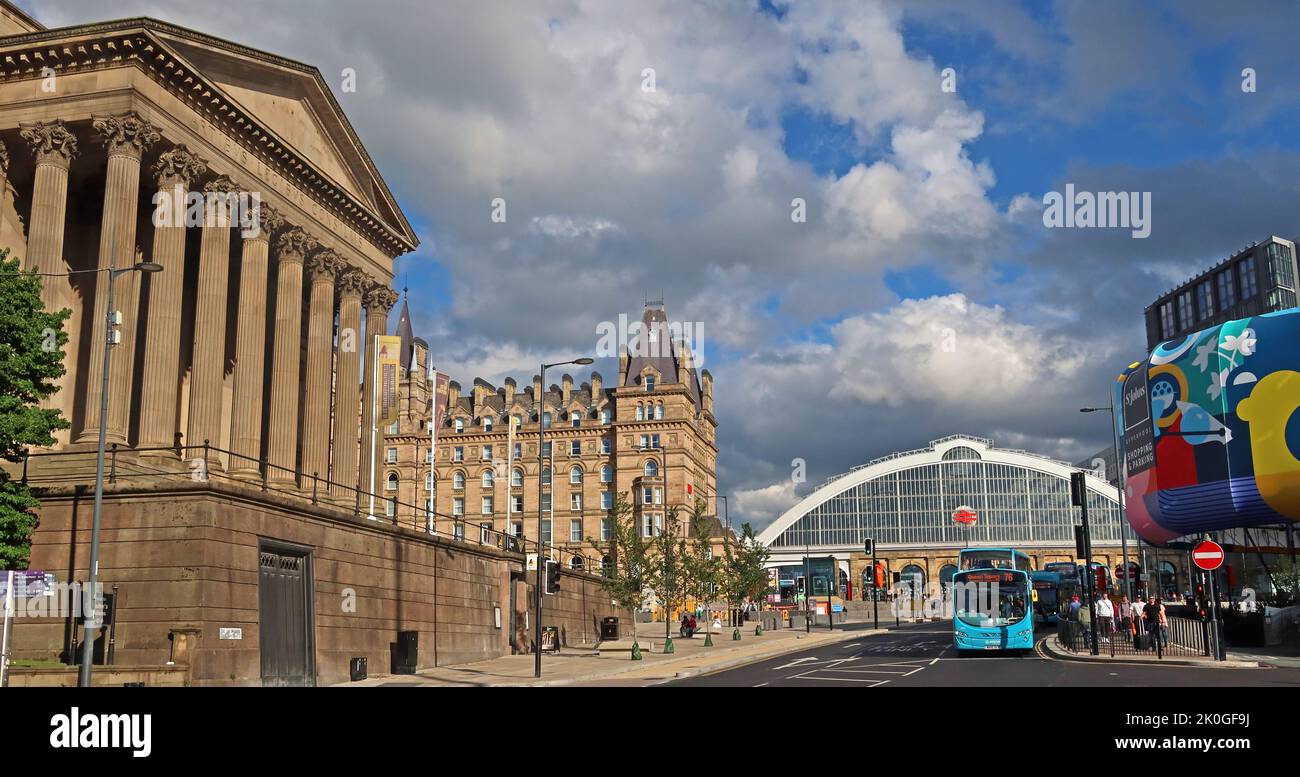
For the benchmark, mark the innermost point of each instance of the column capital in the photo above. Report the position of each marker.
(222, 184)
(4, 159)
(178, 165)
(51, 141)
(294, 245)
(352, 283)
(270, 219)
(379, 298)
(324, 263)
(125, 134)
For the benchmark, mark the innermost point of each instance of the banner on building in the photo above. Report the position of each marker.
(388, 362)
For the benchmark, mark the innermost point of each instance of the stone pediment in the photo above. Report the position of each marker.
(293, 104)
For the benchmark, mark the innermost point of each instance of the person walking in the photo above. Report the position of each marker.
(1085, 626)
(1125, 613)
(1156, 622)
(1105, 617)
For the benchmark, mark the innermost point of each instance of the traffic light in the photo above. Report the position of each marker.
(1078, 488)
(1080, 543)
(552, 577)
(1100, 574)
(799, 585)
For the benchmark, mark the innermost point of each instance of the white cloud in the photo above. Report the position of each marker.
(761, 506)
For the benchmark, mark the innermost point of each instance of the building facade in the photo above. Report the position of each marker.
(234, 536)
(1261, 278)
(905, 503)
(651, 437)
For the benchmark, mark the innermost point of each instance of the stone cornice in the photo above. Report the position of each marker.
(178, 165)
(125, 134)
(51, 142)
(136, 42)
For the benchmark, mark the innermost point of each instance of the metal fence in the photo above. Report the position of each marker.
(1183, 637)
(246, 472)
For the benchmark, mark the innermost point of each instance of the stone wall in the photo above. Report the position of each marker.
(186, 559)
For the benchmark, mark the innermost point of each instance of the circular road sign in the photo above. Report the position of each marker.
(1208, 555)
(965, 515)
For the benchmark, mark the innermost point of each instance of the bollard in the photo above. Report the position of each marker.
(708, 639)
(758, 631)
(668, 646)
(636, 651)
(735, 635)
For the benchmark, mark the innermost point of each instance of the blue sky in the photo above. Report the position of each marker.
(923, 206)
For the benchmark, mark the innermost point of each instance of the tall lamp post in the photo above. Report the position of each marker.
(1119, 486)
(541, 467)
(89, 619)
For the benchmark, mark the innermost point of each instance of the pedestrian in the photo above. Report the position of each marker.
(1085, 625)
(1105, 617)
(1156, 621)
(1073, 615)
(1125, 613)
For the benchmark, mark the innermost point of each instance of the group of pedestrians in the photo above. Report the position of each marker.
(1131, 618)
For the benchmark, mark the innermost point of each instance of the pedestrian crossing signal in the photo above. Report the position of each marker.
(552, 577)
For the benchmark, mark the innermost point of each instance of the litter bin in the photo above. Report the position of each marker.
(609, 629)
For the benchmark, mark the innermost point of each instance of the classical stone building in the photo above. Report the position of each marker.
(650, 436)
(233, 522)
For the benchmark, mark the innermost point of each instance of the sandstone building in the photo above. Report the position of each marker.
(233, 526)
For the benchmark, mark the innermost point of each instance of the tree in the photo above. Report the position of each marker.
(31, 360)
(670, 574)
(747, 567)
(628, 559)
(701, 571)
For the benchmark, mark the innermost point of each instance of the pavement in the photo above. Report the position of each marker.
(589, 667)
(1234, 660)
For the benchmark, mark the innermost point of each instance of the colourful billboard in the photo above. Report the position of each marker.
(1211, 429)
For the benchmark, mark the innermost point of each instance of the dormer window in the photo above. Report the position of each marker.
(460, 426)
(649, 382)
(605, 416)
(487, 423)
(576, 419)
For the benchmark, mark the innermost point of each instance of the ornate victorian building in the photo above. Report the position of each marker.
(651, 436)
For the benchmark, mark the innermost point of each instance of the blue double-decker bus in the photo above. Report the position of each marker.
(992, 601)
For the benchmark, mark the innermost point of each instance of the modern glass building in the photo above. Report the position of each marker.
(905, 502)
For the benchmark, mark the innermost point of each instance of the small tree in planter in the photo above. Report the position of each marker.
(669, 573)
(702, 572)
(629, 557)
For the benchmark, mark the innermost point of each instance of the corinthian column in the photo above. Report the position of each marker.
(282, 433)
(160, 388)
(127, 137)
(379, 300)
(54, 147)
(322, 268)
(208, 362)
(250, 346)
(347, 369)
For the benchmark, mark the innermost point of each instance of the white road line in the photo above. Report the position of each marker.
(795, 662)
(810, 676)
(855, 644)
(760, 685)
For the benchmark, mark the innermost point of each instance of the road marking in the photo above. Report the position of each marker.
(760, 685)
(811, 676)
(795, 662)
(855, 644)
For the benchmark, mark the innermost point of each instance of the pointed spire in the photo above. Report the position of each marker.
(405, 332)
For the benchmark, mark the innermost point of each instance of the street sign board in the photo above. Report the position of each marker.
(1208, 556)
(965, 515)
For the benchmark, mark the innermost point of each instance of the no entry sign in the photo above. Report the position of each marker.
(1208, 556)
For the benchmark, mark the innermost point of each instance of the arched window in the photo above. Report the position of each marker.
(488, 479)
(577, 563)
(651, 468)
(575, 475)
(659, 411)
(546, 476)
(391, 483)
(517, 477)
(911, 581)
(606, 473)
(640, 412)
(959, 453)
(458, 480)
(945, 575)
(607, 566)
(460, 425)
(428, 481)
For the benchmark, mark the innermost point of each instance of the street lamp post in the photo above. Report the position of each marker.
(90, 619)
(541, 468)
(1123, 510)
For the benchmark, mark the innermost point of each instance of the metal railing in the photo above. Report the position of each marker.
(125, 465)
(1182, 637)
